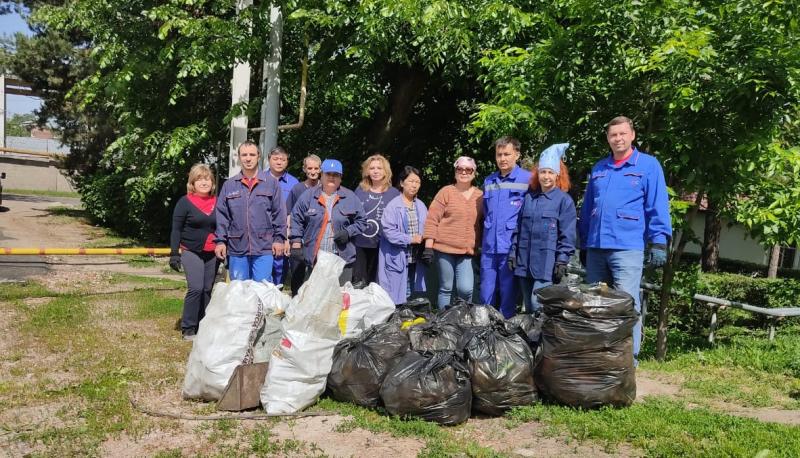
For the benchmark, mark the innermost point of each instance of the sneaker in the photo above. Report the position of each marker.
(189, 334)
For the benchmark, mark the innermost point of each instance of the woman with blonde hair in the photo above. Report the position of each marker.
(193, 225)
(374, 192)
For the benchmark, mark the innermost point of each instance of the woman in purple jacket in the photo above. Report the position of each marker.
(400, 271)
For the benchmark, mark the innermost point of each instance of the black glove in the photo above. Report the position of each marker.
(296, 253)
(657, 255)
(427, 256)
(559, 272)
(512, 263)
(175, 262)
(582, 257)
(341, 236)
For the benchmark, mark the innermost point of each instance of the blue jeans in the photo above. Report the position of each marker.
(454, 268)
(258, 268)
(529, 287)
(622, 269)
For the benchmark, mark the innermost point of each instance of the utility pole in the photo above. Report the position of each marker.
(240, 93)
(2, 110)
(271, 85)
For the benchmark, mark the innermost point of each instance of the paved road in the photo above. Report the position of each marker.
(25, 222)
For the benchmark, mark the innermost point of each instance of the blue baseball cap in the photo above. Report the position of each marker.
(331, 166)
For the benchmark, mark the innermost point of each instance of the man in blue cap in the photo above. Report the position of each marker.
(624, 219)
(327, 218)
(503, 195)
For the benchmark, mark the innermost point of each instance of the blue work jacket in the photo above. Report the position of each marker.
(625, 206)
(249, 221)
(545, 234)
(286, 182)
(308, 216)
(502, 200)
(395, 242)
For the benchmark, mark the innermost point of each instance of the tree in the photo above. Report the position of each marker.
(19, 125)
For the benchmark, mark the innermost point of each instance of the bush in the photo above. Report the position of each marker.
(689, 315)
(751, 269)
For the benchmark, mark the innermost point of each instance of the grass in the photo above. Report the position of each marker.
(743, 367)
(41, 192)
(24, 290)
(663, 427)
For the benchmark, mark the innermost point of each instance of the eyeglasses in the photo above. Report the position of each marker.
(463, 170)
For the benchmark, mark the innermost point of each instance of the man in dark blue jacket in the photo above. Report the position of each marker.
(625, 217)
(251, 219)
(327, 218)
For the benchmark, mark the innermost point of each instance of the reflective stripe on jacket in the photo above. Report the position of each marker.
(502, 200)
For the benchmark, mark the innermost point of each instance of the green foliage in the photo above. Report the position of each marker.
(18, 125)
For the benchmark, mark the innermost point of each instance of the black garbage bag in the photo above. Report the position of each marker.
(464, 313)
(418, 304)
(361, 363)
(405, 317)
(531, 325)
(433, 386)
(586, 351)
(500, 362)
(436, 336)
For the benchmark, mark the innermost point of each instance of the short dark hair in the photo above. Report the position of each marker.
(278, 150)
(248, 143)
(406, 171)
(508, 140)
(620, 120)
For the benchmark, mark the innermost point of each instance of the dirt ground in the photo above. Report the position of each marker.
(28, 223)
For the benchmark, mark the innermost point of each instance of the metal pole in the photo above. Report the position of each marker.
(2, 110)
(271, 84)
(240, 93)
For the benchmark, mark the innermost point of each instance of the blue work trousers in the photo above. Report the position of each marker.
(622, 269)
(529, 287)
(280, 269)
(498, 284)
(258, 268)
(454, 269)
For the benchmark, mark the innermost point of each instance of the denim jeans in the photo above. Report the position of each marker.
(621, 269)
(258, 268)
(454, 268)
(529, 287)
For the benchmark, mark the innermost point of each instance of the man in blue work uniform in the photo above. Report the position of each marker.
(251, 220)
(624, 219)
(503, 195)
(278, 162)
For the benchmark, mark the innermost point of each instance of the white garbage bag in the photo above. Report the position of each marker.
(275, 304)
(221, 341)
(363, 308)
(300, 365)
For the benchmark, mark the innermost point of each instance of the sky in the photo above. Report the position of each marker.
(17, 104)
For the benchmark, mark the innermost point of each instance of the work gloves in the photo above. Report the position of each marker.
(656, 255)
(427, 256)
(341, 236)
(296, 254)
(175, 262)
(512, 263)
(559, 272)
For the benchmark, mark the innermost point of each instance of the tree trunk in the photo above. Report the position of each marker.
(407, 84)
(711, 234)
(774, 256)
(673, 261)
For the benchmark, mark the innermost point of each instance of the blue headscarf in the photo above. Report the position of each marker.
(551, 157)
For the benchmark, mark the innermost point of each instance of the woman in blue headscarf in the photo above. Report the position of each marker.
(545, 236)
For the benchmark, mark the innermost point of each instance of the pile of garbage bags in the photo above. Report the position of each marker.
(408, 360)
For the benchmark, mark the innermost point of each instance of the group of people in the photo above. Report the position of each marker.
(268, 226)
